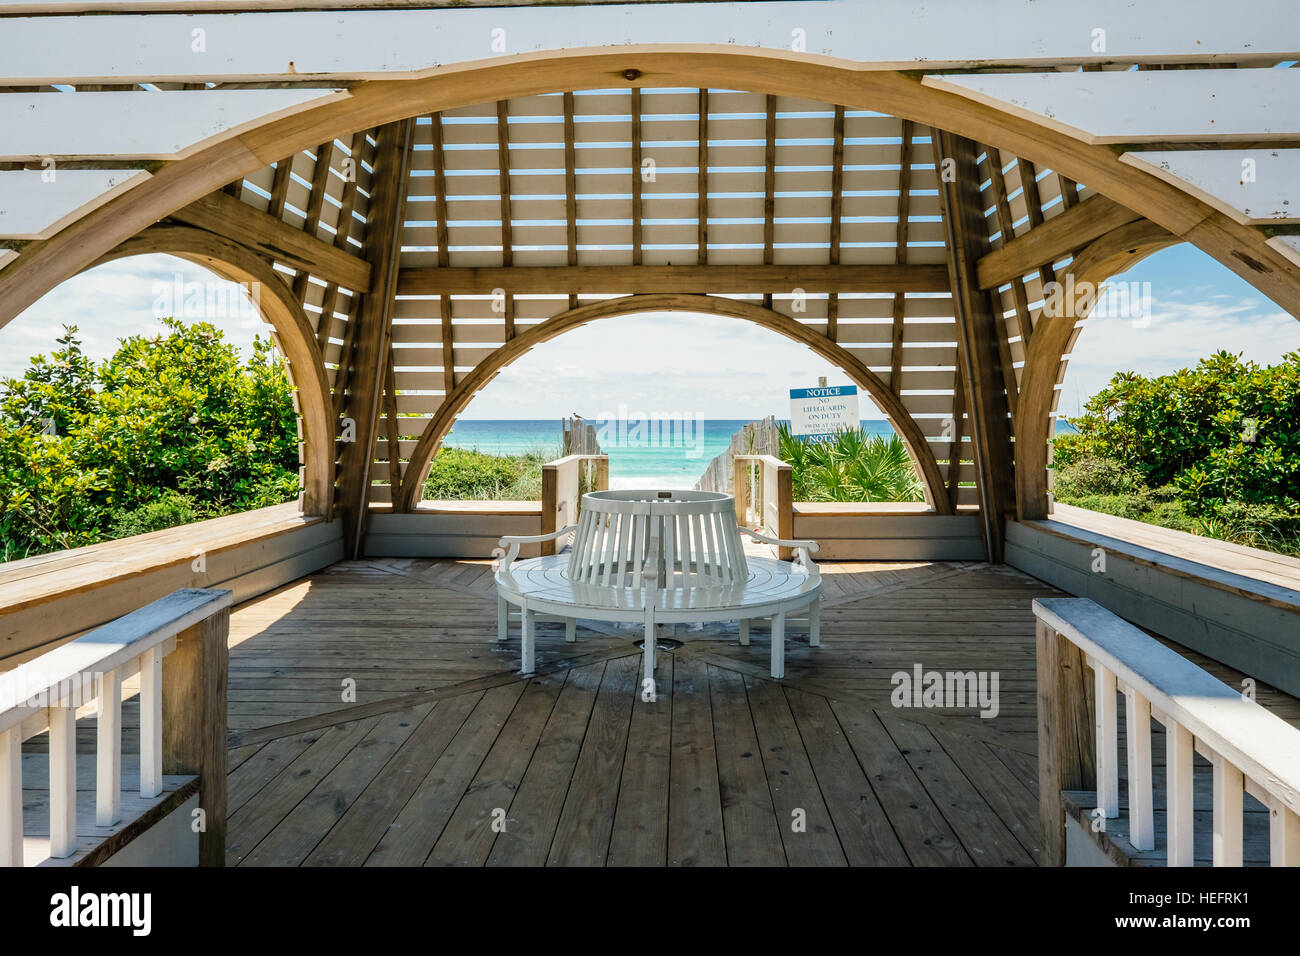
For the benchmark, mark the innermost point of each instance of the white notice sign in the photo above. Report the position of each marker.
(824, 410)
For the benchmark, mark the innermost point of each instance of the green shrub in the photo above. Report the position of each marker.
(461, 474)
(850, 466)
(167, 511)
(1219, 444)
(82, 447)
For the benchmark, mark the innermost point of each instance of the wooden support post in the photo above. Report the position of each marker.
(550, 504)
(837, 220)
(769, 193)
(507, 217)
(702, 186)
(194, 723)
(444, 257)
(374, 330)
(636, 176)
(784, 507)
(900, 257)
(977, 331)
(1065, 727)
(602, 473)
(570, 189)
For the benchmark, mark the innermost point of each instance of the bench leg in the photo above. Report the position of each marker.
(744, 633)
(778, 645)
(570, 630)
(650, 642)
(526, 642)
(815, 623)
(503, 619)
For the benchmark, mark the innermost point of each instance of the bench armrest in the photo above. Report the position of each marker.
(508, 545)
(802, 548)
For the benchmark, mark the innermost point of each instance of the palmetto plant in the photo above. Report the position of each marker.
(850, 466)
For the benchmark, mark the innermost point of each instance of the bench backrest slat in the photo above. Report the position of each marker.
(690, 540)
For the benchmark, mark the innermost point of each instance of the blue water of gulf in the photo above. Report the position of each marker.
(666, 455)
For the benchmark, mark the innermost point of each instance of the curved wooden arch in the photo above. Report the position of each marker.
(1242, 248)
(918, 448)
(293, 334)
(1115, 252)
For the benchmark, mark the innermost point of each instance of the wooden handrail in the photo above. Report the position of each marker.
(561, 492)
(1251, 749)
(178, 647)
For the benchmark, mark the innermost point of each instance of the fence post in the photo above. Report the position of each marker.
(194, 723)
(602, 473)
(784, 507)
(1066, 727)
(550, 504)
(739, 479)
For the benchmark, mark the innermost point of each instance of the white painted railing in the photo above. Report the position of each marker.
(189, 627)
(1252, 750)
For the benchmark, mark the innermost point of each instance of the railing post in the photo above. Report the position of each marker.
(784, 507)
(602, 473)
(550, 504)
(739, 469)
(1065, 735)
(194, 723)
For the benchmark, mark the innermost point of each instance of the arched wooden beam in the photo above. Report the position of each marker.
(918, 448)
(293, 333)
(1242, 248)
(1115, 252)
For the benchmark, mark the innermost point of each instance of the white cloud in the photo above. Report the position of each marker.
(1179, 335)
(109, 303)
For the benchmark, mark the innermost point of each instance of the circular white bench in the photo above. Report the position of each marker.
(657, 557)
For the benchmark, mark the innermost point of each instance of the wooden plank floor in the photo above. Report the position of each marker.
(375, 721)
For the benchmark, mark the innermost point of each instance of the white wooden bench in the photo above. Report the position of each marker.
(657, 557)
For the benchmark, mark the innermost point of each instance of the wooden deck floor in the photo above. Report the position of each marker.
(446, 756)
(376, 721)
(725, 767)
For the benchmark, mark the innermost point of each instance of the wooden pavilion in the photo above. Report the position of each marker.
(423, 192)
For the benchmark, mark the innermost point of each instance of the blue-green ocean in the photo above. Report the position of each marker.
(659, 455)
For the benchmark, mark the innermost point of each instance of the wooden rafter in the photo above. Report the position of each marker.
(636, 176)
(837, 219)
(702, 188)
(280, 186)
(769, 192)
(900, 252)
(315, 203)
(374, 326)
(954, 447)
(342, 235)
(570, 188)
(507, 232)
(1006, 226)
(1034, 204)
(264, 234)
(444, 255)
(722, 279)
(1057, 237)
(967, 239)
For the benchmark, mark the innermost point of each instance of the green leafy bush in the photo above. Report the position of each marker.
(168, 511)
(850, 466)
(461, 474)
(1214, 449)
(84, 447)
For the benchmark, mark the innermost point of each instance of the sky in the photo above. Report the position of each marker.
(680, 363)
